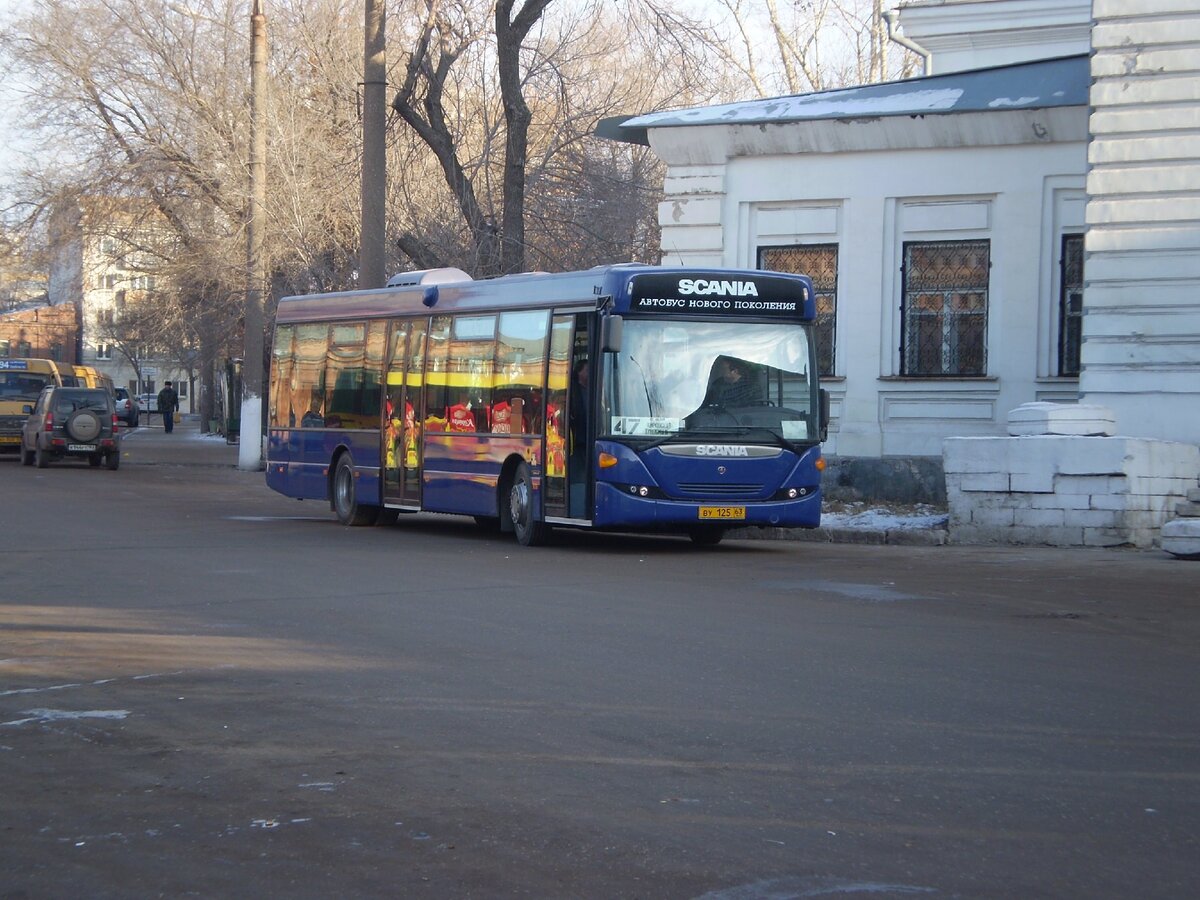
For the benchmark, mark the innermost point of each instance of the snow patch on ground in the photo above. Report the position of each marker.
(882, 518)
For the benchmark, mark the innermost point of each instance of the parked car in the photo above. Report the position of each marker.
(148, 403)
(128, 410)
(70, 421)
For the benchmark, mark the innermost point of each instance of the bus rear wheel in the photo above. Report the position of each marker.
(529, 531)
(345, 502)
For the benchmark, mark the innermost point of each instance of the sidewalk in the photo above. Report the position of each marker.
(149, 445)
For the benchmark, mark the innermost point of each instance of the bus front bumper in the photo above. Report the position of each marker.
(615, 507)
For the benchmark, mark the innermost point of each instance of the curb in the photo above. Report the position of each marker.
(910, 537)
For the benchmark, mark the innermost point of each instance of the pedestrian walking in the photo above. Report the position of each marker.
(168, 402)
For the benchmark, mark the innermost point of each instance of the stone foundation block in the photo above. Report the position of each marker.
(1061, 419)
(1066, 490)
(983, 481)
(1032, 482)
(1040, 518)
(1181, 538)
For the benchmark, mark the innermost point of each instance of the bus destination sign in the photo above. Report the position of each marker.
(718, 294)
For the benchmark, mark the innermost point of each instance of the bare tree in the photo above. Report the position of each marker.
(507, 107)
(772, 47)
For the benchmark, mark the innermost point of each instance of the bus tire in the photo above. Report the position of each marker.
(520, 511)
(706, 537)
(345, 500)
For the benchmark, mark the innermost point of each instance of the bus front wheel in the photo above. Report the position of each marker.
(345, 502)
(529, 531)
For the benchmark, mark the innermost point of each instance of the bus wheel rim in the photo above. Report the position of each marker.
(518, 502)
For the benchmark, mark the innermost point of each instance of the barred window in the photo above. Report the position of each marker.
(944, 308)
(1070, 305)
(820, 263)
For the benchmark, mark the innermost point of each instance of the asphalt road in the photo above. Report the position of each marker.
(209, 690)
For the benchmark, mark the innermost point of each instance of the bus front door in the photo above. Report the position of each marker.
(568, 422)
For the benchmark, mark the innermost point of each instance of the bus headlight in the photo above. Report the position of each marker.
(794, 493)
(641, 491)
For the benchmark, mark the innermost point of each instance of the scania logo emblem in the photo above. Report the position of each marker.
(720, 470)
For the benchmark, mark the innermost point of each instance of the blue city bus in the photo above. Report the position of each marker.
(625, 397)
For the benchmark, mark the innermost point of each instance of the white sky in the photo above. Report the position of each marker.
(11, 145)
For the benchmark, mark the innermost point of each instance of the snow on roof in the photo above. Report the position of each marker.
(1034, 85)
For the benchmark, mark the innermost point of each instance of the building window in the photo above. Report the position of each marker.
(5, 352)
(1070, 305)
(944, 308)
(104, 351)
(820, 263)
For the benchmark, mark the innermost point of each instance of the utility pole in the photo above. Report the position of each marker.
(372, 261)
(250, 441)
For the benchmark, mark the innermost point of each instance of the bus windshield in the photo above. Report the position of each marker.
(710, 380)
(23, 385)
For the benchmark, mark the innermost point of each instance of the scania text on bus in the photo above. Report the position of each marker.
(632, 398)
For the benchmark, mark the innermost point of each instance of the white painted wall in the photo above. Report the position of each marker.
(1020, 197)
(1141, 351)
(977, 34)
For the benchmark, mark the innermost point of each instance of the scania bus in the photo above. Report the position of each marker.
(624, 397)
(21, 381)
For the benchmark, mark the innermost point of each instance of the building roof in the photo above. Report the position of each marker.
(1042, 84)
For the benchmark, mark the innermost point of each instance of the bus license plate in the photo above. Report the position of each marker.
(85, 448)
(10, 439)
(722, 512)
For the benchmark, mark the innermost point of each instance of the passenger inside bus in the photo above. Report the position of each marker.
(577, 455)
(732, 383)
(314, 418)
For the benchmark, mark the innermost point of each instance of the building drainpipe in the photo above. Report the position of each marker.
(893, 23)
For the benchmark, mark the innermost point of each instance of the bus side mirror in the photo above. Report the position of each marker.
(27, 409)
(611, 328)
(823, 422)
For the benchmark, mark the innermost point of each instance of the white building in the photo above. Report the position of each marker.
(944, 219)
(98, 263)
(1141, 355)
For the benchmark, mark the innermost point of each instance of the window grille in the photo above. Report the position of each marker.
(820, 263)
(944, 308)
(1070, 305)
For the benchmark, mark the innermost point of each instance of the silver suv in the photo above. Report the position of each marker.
(70, 421)
(127, 407)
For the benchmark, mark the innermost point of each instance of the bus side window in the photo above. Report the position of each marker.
(520, 360)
